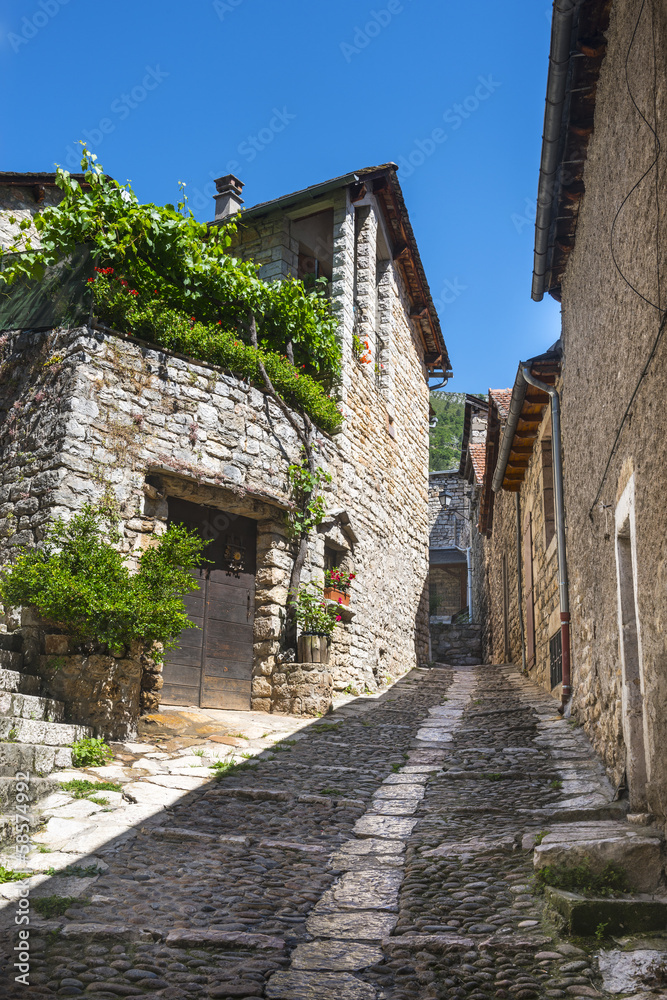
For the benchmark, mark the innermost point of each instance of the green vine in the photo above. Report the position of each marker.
(310, 505)
(164, 253)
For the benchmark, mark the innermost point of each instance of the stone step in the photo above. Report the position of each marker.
(12, 641)
(11, 660)
(53, 734)
(14, 680)
(33, 758)
(38, 789)
(27, 706)
(636, 850)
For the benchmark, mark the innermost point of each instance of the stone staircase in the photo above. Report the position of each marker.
(33, 735)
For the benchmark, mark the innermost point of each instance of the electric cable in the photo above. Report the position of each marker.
(648, 169)
(661, 328)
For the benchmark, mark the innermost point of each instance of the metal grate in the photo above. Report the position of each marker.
(556, 659)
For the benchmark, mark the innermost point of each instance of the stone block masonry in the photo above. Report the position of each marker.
(82, 411)
(456, 645)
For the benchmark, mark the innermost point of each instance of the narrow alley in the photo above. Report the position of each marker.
(385, 851)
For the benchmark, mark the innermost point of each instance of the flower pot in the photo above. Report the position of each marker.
(313, 647)
(339, 596)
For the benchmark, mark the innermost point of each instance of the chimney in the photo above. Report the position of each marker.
(228, 200)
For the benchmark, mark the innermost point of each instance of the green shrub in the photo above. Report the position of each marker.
(78, 581)
(186, 267)
(90, 752)
(154, 320)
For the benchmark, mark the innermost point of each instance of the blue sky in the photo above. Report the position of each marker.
(287, 94)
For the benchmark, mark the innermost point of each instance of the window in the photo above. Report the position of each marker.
(447, 589)
(315, 236)
(548, 492)
(332, 557)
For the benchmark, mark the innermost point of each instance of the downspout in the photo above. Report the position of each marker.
(560, 527)
(519, 585)
(559, 65)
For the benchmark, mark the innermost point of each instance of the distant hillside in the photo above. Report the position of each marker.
(445, 437)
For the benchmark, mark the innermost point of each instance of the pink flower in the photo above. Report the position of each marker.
(339, 618)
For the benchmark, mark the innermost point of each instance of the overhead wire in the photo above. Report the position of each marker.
(653, 165)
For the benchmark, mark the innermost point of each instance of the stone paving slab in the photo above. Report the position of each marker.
(338, 956)
(322, 985)
(285, 879)
(351, 926)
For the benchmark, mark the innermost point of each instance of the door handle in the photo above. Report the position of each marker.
(248, 608)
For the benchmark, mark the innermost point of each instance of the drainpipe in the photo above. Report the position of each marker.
(519, 586)
(560, 527)
(559, 65)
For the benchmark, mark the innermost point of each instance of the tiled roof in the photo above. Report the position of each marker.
(501, 397)
(478, 459)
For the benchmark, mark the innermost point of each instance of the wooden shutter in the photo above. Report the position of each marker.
(528, 591)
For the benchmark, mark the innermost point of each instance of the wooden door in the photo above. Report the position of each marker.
(528, 590)
(212, 666)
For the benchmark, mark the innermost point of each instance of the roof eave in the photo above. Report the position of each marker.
(576, 54)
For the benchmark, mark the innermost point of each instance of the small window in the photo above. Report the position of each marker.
(332, 557)
(315, 236)
(548, 492)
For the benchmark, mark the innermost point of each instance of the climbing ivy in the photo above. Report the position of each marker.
(309, 505)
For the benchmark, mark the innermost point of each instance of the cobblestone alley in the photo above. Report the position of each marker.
(384, 852)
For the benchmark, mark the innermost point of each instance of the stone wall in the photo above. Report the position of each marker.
(383, 450)
(456, 645)
(22, 203)
(502, 632)
(534, 494)
(100, 689)
(502, 640)
(82, 410)
(480, 595)
(447, 528)
(609, 331)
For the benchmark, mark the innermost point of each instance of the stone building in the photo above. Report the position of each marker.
(449, 542)
(456, 593)
(84, 408)
(601, 249)
(517, 522)
(472, 467)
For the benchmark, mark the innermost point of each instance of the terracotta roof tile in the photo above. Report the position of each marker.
(501, 397)
(478, 459)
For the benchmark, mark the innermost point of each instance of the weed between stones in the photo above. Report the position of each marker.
(80, 788)
(611, 881)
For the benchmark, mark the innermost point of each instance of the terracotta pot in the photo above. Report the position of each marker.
(339, 596)
(313, 647)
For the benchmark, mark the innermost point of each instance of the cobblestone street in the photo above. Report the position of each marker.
(382, 852)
